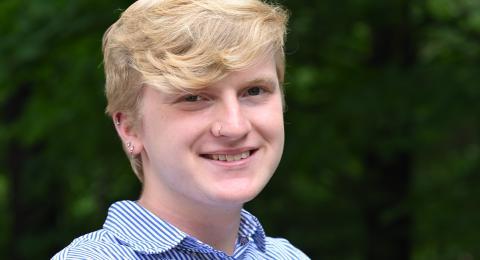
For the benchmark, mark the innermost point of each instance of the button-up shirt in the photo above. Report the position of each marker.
(132, 232)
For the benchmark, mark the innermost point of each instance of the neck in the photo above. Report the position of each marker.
(215, 226)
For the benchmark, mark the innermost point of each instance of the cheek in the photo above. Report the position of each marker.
(270, 121)
(182, 132)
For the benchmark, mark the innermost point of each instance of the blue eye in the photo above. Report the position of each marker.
(255, 91)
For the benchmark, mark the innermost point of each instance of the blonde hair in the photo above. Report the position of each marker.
(182, 45)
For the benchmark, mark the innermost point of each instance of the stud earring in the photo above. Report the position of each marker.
(117, 123)
(130, 147)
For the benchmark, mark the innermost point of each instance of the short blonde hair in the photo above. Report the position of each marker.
(182, 45)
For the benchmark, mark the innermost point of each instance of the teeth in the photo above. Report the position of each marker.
(230, 157)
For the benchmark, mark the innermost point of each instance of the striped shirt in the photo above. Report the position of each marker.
(132, 232)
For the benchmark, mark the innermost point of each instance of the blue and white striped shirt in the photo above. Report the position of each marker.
(132, 232)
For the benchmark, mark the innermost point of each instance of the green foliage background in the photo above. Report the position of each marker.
(382, 152)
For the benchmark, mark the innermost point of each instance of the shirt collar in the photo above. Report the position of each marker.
(141, 230)
(250, 227)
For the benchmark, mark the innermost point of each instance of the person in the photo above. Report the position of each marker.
(194, 88)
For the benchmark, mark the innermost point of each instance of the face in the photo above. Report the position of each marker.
(218, 146)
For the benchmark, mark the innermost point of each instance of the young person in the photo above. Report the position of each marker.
(194, 88)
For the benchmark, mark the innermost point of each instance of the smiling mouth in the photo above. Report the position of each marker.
(229, 157)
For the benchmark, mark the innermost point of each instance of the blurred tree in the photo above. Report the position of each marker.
(61, 166)
(382, 126)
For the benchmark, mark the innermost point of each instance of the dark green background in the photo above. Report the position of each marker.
(382, 152)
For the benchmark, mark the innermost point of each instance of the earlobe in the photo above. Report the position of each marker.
(127, 133)
(131, 148)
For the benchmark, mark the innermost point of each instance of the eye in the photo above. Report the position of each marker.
(191, 101)
(255, 91)
(192, 98)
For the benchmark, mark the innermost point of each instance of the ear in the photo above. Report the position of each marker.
(128, 133)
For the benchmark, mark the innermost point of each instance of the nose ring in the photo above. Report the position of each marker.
(217, 129)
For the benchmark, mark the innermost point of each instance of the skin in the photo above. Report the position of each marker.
(181, 134)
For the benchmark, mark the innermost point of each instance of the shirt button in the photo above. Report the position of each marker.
(243, 240)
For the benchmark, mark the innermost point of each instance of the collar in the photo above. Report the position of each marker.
(136, 227)
(250, 227)
(140, 229)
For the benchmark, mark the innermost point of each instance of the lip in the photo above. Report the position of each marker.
(231, 151)
(231, 164)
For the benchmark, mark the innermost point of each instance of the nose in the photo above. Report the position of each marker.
(231, 120)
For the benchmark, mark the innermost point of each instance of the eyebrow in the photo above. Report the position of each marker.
(266, 81)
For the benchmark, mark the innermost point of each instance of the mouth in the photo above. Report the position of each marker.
(229, 157)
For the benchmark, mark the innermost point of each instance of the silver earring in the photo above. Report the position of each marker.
(116, 120)
(130, 147)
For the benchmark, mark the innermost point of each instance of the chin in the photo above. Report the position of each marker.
(239, 189)
(238, 196)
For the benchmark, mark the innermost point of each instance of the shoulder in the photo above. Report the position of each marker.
(95, 245)
(280, 248)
